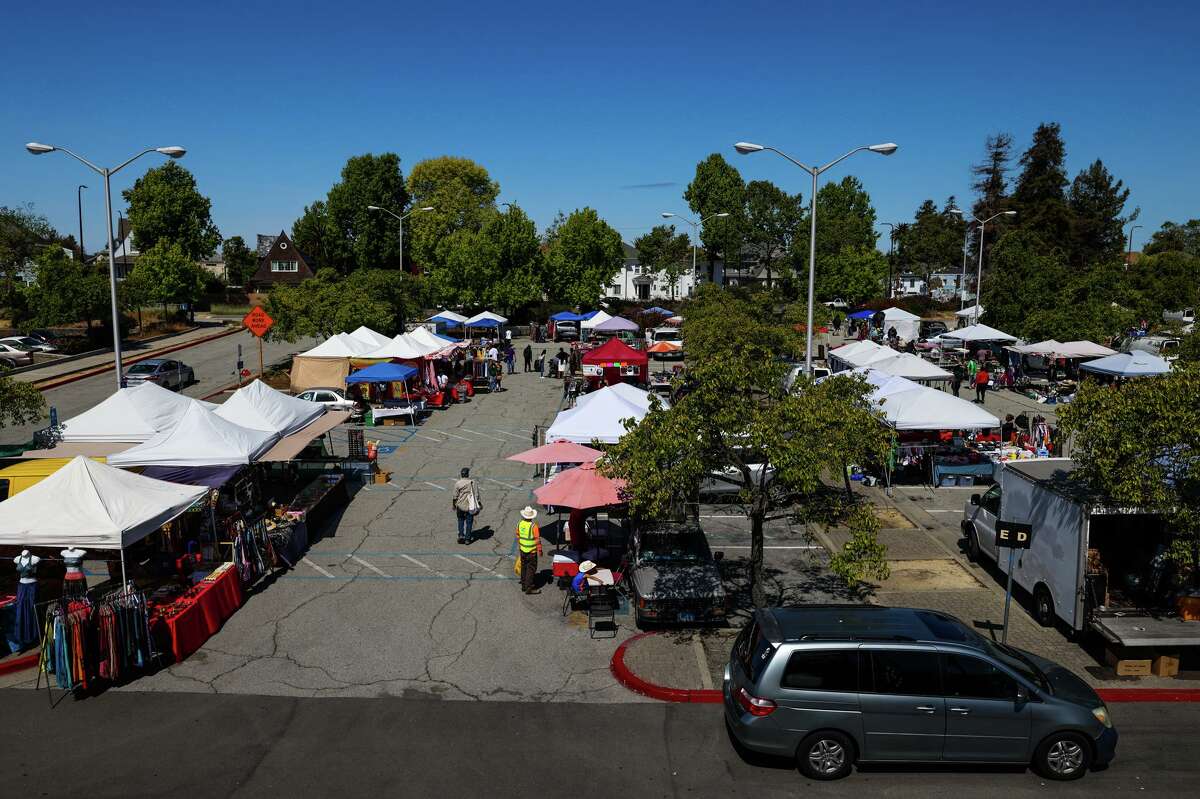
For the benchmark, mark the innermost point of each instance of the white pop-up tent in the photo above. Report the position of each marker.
(597, 318)
(93, 506)
(403, 346)
(910, 406)
(856, 353)
(908, 325)
(369, 336)
(486, 319)
(976, 333)
(631, 394)
(1128, 364)
(972, 312)
(260, 407)
(599, 416)
(447, 316)
(913, 367)
(427, 338)
(200, 439)
(130, 414)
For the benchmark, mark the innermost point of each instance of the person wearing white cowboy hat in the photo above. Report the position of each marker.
(586, 571)
(529, 542)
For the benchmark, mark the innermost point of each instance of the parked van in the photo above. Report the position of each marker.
(18, 474)
(835, 685)
(668, 334)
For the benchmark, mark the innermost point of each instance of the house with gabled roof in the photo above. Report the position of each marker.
(281, 263)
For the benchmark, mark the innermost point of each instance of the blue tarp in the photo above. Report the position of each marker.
(867, 314)
(1128, 364)
(567, 316)
(484, 323)
(588, 315)
(441, 320)
(382, 373)
(662, 311)
(451, 339)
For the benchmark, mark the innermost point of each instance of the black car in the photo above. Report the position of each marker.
(673, 576)
(931, 328)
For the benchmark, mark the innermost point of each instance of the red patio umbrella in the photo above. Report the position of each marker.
(580, 489)
(558, 452)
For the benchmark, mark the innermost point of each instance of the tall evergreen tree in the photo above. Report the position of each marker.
(1040, 193)
(991, 187)
(1176, 238)
(932, 242)
(1098, 228)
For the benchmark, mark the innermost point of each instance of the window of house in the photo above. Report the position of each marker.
(285, 266)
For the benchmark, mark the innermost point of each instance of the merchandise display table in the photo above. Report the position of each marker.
(196, 616)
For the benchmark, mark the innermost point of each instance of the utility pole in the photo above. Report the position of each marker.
(79, 201)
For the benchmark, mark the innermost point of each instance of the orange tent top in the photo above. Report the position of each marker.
(615, 351)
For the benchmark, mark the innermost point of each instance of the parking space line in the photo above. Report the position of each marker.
(480, 565)
(424, 566)
(429, 438)
(506, 485)
(370, 566)
(747, 546)
(318, 568)
(476, 432)
(460, 438)
(435, 485)
(702, 664)
(506, 433)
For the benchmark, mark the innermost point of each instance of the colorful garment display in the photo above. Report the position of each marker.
(85, 641)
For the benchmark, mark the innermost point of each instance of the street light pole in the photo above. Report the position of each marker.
(79, 201)
(745, 148)
(891, 250)
(1129, 255)
(979, 273)
(36, 148)
(695, 231)
(400, 219)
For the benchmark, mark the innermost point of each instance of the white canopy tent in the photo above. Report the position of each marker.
(1047, 347)
(200, 439)
(1128, 364)
(485, 316)
(600, 316)
(260, 407)
(910, 406)
(631, 394)
(908, 325)
(93, 506)
(970, 312)
(856, 353)
(451, 315)
(427, 338)
(1059, 349)
(403, 346)
(600, 418)
(340, 345)
(974, 333)
(913, 367)
(369, 336)
(130, 414)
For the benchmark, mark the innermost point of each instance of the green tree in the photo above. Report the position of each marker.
(465, 270)
(1139, 446)
(518, 260)
(65, 292)
(165, 205)
(991, 189)
(665, 254)
(1040, 193)
(364, 239)
(737, 414)
(314, 234)
(169, 275)
(933, 242)
(718, 188)
(330, 303)
(23, 234)
(1169, 280)
(1023, 276)
(1097, 203)
(855, 274)
(240, 261)
(583, 254)
(20, 402)
(774, 219)
(1175, 238)
(845, 218)
(462, 195)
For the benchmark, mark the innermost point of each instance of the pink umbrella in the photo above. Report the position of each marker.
(558, 452)
(581, 488)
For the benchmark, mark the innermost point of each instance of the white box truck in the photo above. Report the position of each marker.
(1095, 568)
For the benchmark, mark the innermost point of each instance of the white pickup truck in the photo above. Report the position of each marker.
(1094, 567)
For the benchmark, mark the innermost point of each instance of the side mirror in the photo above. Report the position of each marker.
(975, 498)
(1024, 695)
(718, 556)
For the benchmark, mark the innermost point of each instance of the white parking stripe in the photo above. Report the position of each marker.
(370, 566)
(460, 438)
(318, 568)
(424, 566)
(746, 546)
(506, 485)
(429, 438)
(473, 563)
(435, 485)
(506, 433)
(476, 432)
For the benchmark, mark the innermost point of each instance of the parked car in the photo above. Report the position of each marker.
(333, 398)
(32, 343)
(566, 330)
(728, 481)
(835, 685)
(673, 576)
(163, 371)
(931, 328)
(13, 355)
(668, 334)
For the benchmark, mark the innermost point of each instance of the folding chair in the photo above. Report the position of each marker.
(602, 610)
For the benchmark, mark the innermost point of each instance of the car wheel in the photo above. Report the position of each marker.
(973, 550)
(1043, 606)
(827, 755)
(1063, 756)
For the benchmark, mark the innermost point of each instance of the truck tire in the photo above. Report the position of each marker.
(1043, 606)
(973, 550)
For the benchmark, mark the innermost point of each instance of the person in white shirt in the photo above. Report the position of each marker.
(508, 336)
(493, 354)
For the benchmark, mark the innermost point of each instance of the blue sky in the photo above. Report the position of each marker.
(570, 104)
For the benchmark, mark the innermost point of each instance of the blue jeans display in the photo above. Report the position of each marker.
(465, 522)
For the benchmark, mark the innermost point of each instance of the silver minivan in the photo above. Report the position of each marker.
(835, 685)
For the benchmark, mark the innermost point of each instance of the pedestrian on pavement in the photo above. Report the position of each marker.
(956, 380)
(528, 353)
(466, 503)
(540, 366)
(499, 377)
(508, 337)
(981, 385)
(529, 541)
(493, 354)
(972, 369)
(510, 359)
(493, 373)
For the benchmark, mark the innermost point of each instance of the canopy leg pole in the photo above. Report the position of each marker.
(124, 581)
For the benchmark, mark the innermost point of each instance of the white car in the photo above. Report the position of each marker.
(37, 345)
(333, 398)
(13, 355)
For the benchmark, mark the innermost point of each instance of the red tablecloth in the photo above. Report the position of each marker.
(189, 625)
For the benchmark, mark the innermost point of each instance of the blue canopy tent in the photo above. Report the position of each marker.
(588, 315)
(864, 314)
(382, 373)
(662, 311)
(444, 320)
(483, 323)
(451, 339)
(1128, 364)
(567, 316)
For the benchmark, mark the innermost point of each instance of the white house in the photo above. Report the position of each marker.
(635, 282)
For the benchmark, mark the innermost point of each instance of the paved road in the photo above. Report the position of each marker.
(125, 744)
(214, 362)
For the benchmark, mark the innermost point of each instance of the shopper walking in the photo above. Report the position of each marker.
(466, 503)
(972, 369)
(981, 385)
(493, 375)
(956, 380)
(528, 353)
(510, 359)
(529, 542)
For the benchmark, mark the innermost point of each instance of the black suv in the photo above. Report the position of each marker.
(673, 576)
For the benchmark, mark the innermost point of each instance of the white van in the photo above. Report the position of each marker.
(669, 334)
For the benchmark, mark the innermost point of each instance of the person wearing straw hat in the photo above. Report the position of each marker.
(586, 576)
(529, 541)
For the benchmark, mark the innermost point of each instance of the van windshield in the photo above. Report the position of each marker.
(666, 335)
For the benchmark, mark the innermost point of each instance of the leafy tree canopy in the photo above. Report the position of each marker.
(583, 255)
(1040, 193)
(240, 260)
(462, 194)
(774, 219)
(718, 188)
(168, 275)
(20, 402)
(855, 274)
(666, 254)
(1176, 238)
(358, 238)
(65, 292)
(932, 242)
(23, 234)
(330, 303)
(1097, 202)
(165, 205)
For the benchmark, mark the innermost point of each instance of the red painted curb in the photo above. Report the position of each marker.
(634, 683)
(92, 371)
(19, 664)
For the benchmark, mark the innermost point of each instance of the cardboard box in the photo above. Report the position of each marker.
(382, 477)
(1129, 667)
(1165, 666)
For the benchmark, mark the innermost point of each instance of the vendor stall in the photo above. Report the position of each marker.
(1128, 364)
(130, 414)
(257, 406)
(618, 361)
(385, 402)
(201, 438)
(600, 415)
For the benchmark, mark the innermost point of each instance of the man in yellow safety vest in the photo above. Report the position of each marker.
(529, 541)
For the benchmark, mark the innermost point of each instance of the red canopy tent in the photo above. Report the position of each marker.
(613, 355)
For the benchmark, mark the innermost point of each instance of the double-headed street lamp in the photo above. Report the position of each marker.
(696, 225)
(36, 148)
(745, 148)
(979, 273)
(401, 219)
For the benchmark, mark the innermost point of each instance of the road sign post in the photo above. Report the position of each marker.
(258, 322)
(1014, 535)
